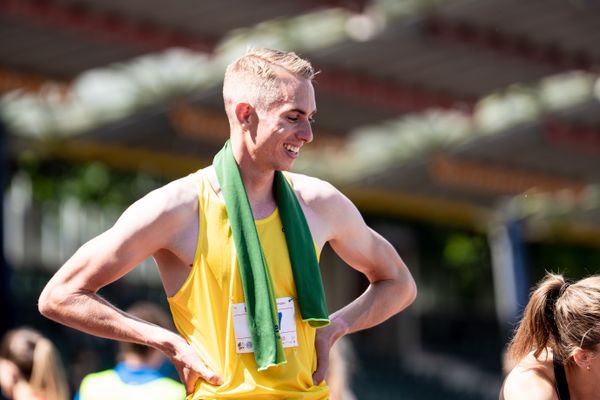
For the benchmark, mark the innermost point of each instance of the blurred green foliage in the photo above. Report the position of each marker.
(54, 181)
(574, 261)
(465, 255)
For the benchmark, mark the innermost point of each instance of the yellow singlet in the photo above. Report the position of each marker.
(202, 311)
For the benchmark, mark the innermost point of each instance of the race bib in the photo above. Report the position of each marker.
(287, 325)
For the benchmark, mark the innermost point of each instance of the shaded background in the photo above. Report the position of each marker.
(466, 131)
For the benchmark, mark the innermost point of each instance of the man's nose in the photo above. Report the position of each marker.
(305, 133)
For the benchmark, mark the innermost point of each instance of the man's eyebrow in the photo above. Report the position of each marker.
(300, 111)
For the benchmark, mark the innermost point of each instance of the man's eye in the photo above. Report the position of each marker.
(293, 119)
(312, 120)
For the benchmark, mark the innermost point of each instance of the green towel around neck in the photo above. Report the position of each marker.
(259, 295)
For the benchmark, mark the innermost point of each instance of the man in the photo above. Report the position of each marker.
(236, 245)
(138, 374)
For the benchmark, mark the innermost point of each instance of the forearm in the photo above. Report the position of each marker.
(90, 313)
(380, 301)
(71, 296)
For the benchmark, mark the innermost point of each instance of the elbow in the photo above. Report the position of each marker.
(408, 288)
(411, 290)
(50, 300)
(46, 303)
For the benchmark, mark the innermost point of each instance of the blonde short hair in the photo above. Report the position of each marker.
(254, 78)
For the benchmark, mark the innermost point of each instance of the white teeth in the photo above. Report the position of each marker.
(291, 148)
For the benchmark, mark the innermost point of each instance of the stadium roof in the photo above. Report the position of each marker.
(380, 61)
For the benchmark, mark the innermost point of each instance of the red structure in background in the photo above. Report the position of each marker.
(111, 26)
(392, 95)
(510, 44)
(576, 136)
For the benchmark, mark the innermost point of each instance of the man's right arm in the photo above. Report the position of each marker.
(71, 296)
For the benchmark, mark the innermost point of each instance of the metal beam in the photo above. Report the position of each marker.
(108, 26)
(17, 80)
(351, 5)
(585, 139)
(389, 94)
(510, 44)
(495, 179)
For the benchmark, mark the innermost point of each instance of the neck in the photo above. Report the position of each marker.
(583, 384)
(257, 182)
(259, 189)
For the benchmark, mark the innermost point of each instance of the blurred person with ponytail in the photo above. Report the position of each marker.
(556, 346)
(30, 367)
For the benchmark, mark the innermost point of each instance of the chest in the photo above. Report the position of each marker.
(217, 253)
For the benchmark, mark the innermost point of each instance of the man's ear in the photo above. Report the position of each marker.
(243, 113)
(583, 358)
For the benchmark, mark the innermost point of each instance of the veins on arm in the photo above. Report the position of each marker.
(391, 288)
(71, 298)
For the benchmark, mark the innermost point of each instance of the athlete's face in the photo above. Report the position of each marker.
(285, 126)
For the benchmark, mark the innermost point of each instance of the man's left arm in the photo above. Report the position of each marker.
(391, 286)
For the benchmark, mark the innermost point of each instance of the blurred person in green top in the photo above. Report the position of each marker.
(138, 374)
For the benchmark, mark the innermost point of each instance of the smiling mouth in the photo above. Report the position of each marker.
(294, 150)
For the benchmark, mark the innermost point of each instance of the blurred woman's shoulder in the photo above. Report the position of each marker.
(531, 379)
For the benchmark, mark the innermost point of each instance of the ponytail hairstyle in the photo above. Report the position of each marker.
(560, 316)
(38, 362)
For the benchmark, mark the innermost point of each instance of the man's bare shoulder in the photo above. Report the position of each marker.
(177, 197)
(313, 191)
(531, 379)
(183, 190)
